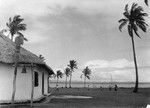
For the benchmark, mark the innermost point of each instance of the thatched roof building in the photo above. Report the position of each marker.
(7, 54)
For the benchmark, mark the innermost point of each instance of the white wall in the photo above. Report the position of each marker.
(38, 89)
(6, 78)
(23, 83)
(45, 82)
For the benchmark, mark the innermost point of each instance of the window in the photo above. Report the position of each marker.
(23, 69)
(36, 79)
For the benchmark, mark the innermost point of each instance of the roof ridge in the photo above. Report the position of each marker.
(26, 54)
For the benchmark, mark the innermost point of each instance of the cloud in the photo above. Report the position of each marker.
(82, 29)
(120, 70)
(117, 64)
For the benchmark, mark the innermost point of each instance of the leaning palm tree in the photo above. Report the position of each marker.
(67, 73)
(134, 19)
(19, 40)
(15, 25)
(72, 65)
(59, 74)
(86, 73)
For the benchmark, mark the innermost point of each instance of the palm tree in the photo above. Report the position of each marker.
(19, 40)
(15, 25)
(72, 65)
(134, 19)
(86, 73)
(67, 73)
(41, 57)
(59, 74)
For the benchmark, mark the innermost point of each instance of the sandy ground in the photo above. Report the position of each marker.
(101, 98)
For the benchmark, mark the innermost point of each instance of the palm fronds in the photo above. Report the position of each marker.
(15, 25)
(134, 19)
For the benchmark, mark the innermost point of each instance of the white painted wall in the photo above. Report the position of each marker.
(23, 90)
(45, 82)
(6, 78)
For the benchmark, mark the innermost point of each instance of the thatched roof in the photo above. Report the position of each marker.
(7, 53)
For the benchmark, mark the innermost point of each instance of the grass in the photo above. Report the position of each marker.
(102, 98)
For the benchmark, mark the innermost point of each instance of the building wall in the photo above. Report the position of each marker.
(23, 83)
(6, 78)
(45, 82)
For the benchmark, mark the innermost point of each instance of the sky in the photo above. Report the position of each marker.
(83, 30)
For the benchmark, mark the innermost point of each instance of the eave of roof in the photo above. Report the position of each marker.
(7, 54)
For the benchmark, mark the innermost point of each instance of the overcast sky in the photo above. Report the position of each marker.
(83, 30)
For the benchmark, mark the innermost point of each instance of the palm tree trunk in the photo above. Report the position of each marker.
(15, 72)
(70, 80)
(14, 83)
(84, 80)
(136, 68)
(32, 77)
(66, 82)
(57, 83)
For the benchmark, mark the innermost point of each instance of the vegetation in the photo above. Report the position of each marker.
(59, 74)
(86, 73)
(15, 25)
(72, 65)
(41, 57)
(67, 73)
(19, 40)
(134, 19)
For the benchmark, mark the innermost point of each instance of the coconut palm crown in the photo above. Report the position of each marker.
(86, 72)
(67, 71)
(72, 64)
(59, 74)
(15, 25)
(134, 19)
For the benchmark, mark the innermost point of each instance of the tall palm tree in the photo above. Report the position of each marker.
(59, 74)
(86, 73)
(134, 19)
(72, 65)
(19, 40)
(67, 73)
(15, 25)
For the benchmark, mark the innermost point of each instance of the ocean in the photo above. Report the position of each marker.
(102, 84)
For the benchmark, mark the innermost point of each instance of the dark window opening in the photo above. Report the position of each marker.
(23, 69)
(36, 79)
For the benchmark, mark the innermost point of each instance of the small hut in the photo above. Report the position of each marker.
(31, 69)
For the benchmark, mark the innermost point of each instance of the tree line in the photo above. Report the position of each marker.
(68, 71)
